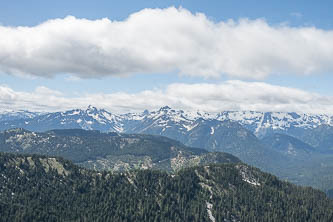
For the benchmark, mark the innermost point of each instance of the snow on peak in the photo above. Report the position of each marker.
(258, 121)
(165, 108)
(177, 115)
(21, 114)
(91, 108)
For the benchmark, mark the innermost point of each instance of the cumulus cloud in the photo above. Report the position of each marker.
(161, 41)
(229, 95)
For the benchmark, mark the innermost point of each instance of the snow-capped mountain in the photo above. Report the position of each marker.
(165, 121)
(90, 119)
(14, 115)
(195, 129)
(236, 132)
(162, 121)
(262, 123)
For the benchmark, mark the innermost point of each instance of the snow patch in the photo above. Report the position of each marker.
(291, 150)
(247, 175)
(212, 130)
(209, 211)
(190, 127)
(75, 112)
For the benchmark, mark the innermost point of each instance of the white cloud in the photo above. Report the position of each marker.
(164, 40)
(229, 95)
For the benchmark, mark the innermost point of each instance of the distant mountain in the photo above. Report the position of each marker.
(264, 123)
(110, 151)
(320, 137)
(163, 121)
(18, 115)
(198, 130)
(232, 138)
(236, 132)
(191, 128)
(90, 119)
(38, 188)
(289, 145)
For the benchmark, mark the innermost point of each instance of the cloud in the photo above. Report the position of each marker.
(229, 95)
(161, 41)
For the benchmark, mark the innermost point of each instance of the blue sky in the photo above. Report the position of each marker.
(33, 12)
(243, 71)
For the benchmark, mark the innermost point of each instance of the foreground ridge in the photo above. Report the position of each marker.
(53, 189)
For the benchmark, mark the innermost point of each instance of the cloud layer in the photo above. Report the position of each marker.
(164, 40)
(229, 95)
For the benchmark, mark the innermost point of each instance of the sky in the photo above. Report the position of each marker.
(128, 56)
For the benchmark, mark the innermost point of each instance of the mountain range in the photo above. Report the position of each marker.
(315, 130)
(260, 123)
(296, 147)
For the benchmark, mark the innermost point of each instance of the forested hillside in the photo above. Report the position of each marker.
(38, 188)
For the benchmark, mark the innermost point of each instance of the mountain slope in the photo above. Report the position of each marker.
(19, 115)
(197, 130)
(109, 151)
(232, 138)
(320, 137)
(265, 123)
(289, 146)
(51, 189)
(90, 119)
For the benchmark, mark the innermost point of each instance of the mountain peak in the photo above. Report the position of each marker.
(92, 108)
(165, 108)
